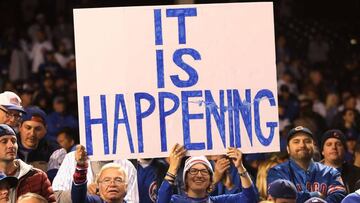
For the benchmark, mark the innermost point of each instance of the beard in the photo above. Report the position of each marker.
(303, 157)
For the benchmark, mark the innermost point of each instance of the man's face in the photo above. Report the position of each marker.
(333, 150)
(64, 141)
(8, 148)
(3, 115)
(112, 185)
(301, 147)
(31, 132)
(198, 178)
(14, 118)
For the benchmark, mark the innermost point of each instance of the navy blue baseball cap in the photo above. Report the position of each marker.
(34, 114)
(299, 129)
(282, 188)
(6, 130)
(334, 133)
(11, 181)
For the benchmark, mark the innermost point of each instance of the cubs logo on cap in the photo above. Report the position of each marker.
(299, 129)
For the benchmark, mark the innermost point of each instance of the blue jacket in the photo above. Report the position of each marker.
(165, 195)
(78, 194)
(318, 178)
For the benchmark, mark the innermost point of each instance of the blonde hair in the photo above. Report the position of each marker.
(31, 195)
(261, 182)
(114, 166)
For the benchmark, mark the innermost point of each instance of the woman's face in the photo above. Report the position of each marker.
(198, 178)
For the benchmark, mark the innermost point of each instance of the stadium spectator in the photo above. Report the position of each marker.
(198, 175)
(33, 147)
(304, 173)
(67, 138)
(6, 184)
(281, 191)
(30, 179)
(150, 173)
(31, 198)
(333, 149)
(59, 118)
(10, 109)
(111, 182)
(63, 181)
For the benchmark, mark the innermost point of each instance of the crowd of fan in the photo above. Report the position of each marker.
(319, 162)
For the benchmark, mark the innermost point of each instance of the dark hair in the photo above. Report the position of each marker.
(70, 133)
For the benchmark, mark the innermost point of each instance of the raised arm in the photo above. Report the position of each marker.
(177, 153)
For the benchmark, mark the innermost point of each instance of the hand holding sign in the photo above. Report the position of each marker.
(177, 154)
(236, 156)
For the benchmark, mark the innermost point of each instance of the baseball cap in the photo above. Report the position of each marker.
(299, 129)
(196, 160)
(334, 133)
(282, 188)
(12, 181)
(6, 130)
(11, 101)
(34, 114)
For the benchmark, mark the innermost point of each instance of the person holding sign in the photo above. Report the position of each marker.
(112, 181)
(198, 176)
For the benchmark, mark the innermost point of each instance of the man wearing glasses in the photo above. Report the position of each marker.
(111, 182)
(10, 109)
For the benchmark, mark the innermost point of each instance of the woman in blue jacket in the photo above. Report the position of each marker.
(198, 176)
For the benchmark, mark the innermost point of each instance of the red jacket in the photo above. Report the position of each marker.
(34, 180)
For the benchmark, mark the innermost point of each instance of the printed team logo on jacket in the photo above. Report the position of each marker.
(153, 191)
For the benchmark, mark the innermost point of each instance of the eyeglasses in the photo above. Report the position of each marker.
(194, 171)
(116, 181)
(16, 116)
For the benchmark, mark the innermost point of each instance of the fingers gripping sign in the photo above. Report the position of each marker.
(235, 155)
(81, 155)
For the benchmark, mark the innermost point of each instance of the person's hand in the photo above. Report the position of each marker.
(221, 165)
(227, 181)
(177, 153)
(92, 189)
(80, 155)
(236, 156)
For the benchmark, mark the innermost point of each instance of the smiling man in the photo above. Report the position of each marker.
(311, 179)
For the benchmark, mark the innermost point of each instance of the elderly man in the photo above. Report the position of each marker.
(10, 109)
(33, 147)
(310, 178)
(30, 179)
(112, 181)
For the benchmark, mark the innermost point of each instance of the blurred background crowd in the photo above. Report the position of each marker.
(317, 59)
